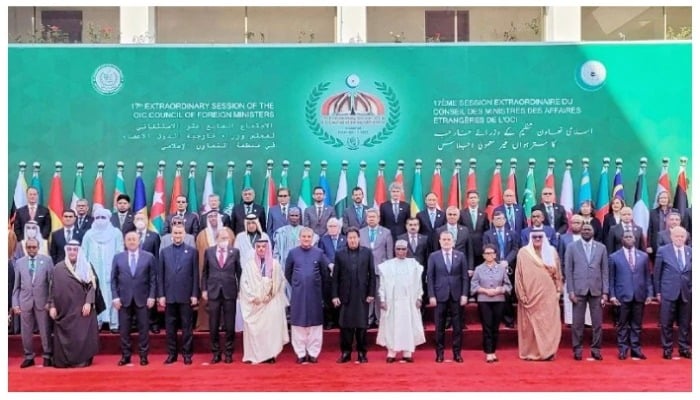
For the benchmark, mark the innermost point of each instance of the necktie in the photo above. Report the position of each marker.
(80, 222)
(396, 211)
(335, 243)
(319, 212)
(448, 262)
(132, 263)
(372, 235)
(679, 256)
(32, 268)
(142, 236)
(121, 219)
(248, 209)
(69, 234)
(630, 258)
(284, 212)
(413, 242)
(473, 212)
(550, 214)
(511, 221)
(220, 258)
(32, 212)
(262, 266)
(432, 219)
(587, 246)
(358, 212)
(501, 244)
(453, 232)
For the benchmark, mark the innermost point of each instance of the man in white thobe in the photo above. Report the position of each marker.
(263, 305)
(400, 296)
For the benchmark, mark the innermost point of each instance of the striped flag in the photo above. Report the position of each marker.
(567, 191)
(495, 195)
(36, 183)
(139, 205)
(436, 185)
(549, 179)
(664, 184)
(603, 196)
(640, 211)
(341, 195)
(453, 197)
(192, 205)
(512, 183)
(529, 193)
(585, 191)
(398, 178)
(158, 205)
(98, 191)
(680, 200)
(208, 188)
(362, 182)
(323, 182)
(618, 188)
(229, 191)
(177, 187)
(56, 199)
(284, 181)
(379, 187)
(305, 190)
(119, 185)
(471, 180)
(417, 191)
(268, 193)
(78, 187)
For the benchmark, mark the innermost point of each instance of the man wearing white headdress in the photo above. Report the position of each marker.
(31, 230)
(72, 308)
(263, 305)
(245, 243)
(538, 284)
(100, 244)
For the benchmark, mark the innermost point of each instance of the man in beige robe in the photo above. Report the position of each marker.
(538, 285)
(400, 296)
(263, 305)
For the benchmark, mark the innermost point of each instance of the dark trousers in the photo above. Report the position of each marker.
(216, 307)
(490, 313)
(330, 315)
(346, 336)
(440, 316)
(183, 313)
(126, 314)
(629, 326)
(579, 317)
(508, 308)
(155, 318)
(675, 310)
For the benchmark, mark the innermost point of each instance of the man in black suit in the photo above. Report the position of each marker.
(123, 219)
(148, 241)
(460, 236)
(33, 211)
(614, 239)
(507, 244)
(133, 282)
(354, 214)
(418, 248)
(83, 220)
(191, 220)
(330, 243)
(448, 286)
(220, 282)
(394, 212)
(515, 215)
(554, 213)
(60, 237)
(241, 210)
(430, 219)
(673, 219)
(477, 223)
(178, 291)
(214, 203)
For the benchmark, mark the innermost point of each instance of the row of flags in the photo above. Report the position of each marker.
(158, 210)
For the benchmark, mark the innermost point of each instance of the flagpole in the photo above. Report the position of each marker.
(513, 169)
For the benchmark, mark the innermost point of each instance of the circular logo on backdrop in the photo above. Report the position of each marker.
(107, 79)
(591, 75)
(352, 115)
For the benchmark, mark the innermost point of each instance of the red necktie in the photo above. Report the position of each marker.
(221, 258)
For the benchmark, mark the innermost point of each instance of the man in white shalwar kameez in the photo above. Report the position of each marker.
(400, 295)
(263, 305)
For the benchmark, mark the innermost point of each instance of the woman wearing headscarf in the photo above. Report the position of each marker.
(538, 285)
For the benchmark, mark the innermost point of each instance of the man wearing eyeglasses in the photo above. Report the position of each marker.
(554, 213)
(278, 214)
(167, 240)
(189, 219)
(60, 237)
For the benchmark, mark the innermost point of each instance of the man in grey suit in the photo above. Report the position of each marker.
(354, 214)
(30, 294)
(316, 216)
(587, 278)
(378, 239)
(133, 284)
(673, 276)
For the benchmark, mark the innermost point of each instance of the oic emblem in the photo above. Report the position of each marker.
(591, 75)
(107, 79)
(352, 115)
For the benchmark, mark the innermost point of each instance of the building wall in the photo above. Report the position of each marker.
(292, 24)
(20, 21)
(200, 24)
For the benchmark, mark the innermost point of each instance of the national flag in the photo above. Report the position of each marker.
(269, 199)
(454, 195)
(36, 183)
(139, 205)
(158, 205)
(323, 182)
(618, 188)
(680, 200)
(417, 192)
(512, 183)
(305, 190)
(341, 195)
(567, 191)
(229, 196)
(664, 184)
(78, 187)
(603, 196)
(495, 195)
(585, 191)
(436, 185)
(640, 212)
(248, 175)
(208, 188)
(177, 187)
(98, 191)
(192, 205)
(56, 199)
(284, 182)
(529, 193)
(362, 182)
(549, 179)
(379, 187)
(20, 196)
(398, 178)
(471, 180)
(119, 185)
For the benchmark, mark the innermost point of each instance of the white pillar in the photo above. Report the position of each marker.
(562, 24)
(137, 24)
(351, 26)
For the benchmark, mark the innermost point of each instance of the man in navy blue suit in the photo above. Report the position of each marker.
(60, 237)
(631, 288)
(431, 218)
(537, 217)
(448, 286)
(133, 281)
(178, 291)
(515, 215)
(394, 212)
(673, 275)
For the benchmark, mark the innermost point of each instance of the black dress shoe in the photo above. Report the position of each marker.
(171, 359)
(327, 327)
(667, 355)
(48, 362)
(640, 356)
(27, 363)
(622, 356)
(390, 360)
(215, 359)
(362, 358)
(188, 360)
(124, 361)
(155, 330)
(439, 358)
(408, 359)
(228, 359)
(301, 360)
(114, 331)
(144, 361)
(597, 356)
(345, 357)
(686, 354)
(578, 357)
(458, 359)
(312, 360)
(270, 361)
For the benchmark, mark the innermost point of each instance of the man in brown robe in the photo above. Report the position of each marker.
(538, 286)
(71, 306)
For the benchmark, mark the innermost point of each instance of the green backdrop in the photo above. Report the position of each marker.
(371, 103)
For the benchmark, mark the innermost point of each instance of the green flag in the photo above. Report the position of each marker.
(78, 187)
(229, 199)
(283, 177)
(417, 192)
(305, 191)
(37, 184)
(529, 194)
(119, 185)
(341, 195)
(192, 205)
